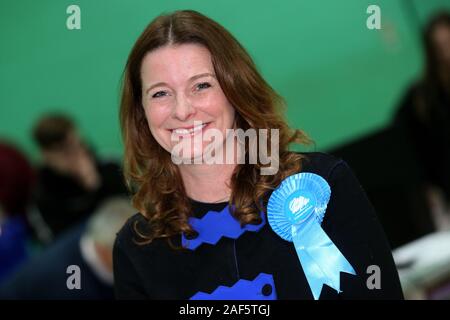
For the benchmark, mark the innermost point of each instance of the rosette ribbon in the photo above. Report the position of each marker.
(295, 212)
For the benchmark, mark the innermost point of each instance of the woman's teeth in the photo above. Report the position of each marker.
(191, 130)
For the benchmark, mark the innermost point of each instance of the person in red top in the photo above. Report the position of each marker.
(16, 183)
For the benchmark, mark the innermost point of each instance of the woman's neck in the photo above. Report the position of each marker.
(207, 182)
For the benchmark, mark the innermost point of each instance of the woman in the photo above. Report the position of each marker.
(424, 111)
(203, 231)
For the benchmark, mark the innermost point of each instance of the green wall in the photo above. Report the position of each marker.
(340, 79)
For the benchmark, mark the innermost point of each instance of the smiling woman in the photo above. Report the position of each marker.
(190, 92)
(222, 230)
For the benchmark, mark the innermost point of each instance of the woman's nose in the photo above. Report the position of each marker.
(183, 108)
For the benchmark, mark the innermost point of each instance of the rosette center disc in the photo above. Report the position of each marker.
(299, 206)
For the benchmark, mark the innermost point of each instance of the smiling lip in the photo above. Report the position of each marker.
(189, 130)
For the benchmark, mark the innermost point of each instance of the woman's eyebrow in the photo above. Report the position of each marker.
(190, 79)
(202, 75)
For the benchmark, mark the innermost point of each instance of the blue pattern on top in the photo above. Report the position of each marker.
(215, 225)
(242, 290)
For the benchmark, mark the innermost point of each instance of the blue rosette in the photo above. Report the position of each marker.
(295, 212)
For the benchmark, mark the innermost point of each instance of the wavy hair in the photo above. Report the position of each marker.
(155, 181)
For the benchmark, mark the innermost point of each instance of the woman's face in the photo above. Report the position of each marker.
(441, 38)
(179, 87)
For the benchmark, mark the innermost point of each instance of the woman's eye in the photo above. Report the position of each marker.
(159, 94)
(203, 85)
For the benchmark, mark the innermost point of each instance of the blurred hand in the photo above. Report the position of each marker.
(74, 159)
(86, 171)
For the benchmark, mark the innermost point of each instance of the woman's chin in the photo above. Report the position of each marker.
(193, 157)
(201, 154)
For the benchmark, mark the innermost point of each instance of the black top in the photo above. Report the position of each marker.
(268, 263)
(425, 116)
(63, 201)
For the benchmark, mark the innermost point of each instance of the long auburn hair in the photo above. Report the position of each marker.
(433, 67)
(432, 83)
(155, 181)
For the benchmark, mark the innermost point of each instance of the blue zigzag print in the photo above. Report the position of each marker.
(242, 290)
(215, 225)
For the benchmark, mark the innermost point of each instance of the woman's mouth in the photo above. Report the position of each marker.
(190, 130)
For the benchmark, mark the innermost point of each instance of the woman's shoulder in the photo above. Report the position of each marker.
(132, 234)
(321, 163)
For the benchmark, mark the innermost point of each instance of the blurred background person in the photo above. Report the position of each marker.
(88, 246)
(16, 180)
(424, 113)
(71, 181)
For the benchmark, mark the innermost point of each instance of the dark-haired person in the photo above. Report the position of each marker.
(424, 110)
(210, 230)
(71, 181)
